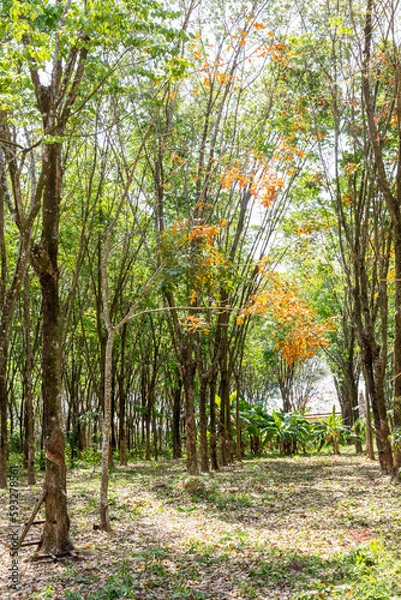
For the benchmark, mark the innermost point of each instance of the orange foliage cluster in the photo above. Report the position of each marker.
(180, 225)
(307, 229)
(350, 168)
(299, 332)
(258, 26)
(213, 69)
(194, 323)
(279, 51)
(176, 158)
(267, 188)
(207, 232)
(287, 152)
(236, 175)
(199, 231)
(264, 184)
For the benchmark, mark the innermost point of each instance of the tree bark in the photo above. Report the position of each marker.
(203, 428)
(177, 419)
(188, 374)
(213, 432)
(368, 432)
(55, 538)
(104, 489)
(122, 426)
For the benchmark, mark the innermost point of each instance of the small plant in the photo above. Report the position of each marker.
(89, 457)
(285, 431)
(330, 431)
(72, 595)
(396, 437)
(116, 587)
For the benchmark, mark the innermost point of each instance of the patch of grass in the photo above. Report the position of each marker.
(117, 586)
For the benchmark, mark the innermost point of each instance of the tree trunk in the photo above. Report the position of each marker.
(213, 433)
(226, 434)
(154, 431)
(238, 439)
(382, 430)
(397, 341)
(122, 436)
(203, 428)
(104, 488)
(148, 425)
(369, 434)
(355, 415)
(55, 538)
(177, 419)
(190, 423)
(122, 427)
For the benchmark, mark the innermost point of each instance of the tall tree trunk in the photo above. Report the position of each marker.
(122, 428)
(397, 339)
(55, 538)
(104, 488)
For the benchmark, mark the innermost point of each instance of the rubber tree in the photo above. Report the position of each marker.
(351, 172)
(381, 133)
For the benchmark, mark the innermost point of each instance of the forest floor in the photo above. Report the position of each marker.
(268, 528)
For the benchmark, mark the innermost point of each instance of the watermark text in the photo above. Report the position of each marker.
(13, 510)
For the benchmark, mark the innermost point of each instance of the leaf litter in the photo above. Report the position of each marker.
(266, 528)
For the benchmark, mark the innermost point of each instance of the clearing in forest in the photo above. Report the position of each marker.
(298, 528)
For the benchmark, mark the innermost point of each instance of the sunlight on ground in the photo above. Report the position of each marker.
(307, 527)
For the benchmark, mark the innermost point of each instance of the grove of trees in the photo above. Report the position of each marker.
(199, 206)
